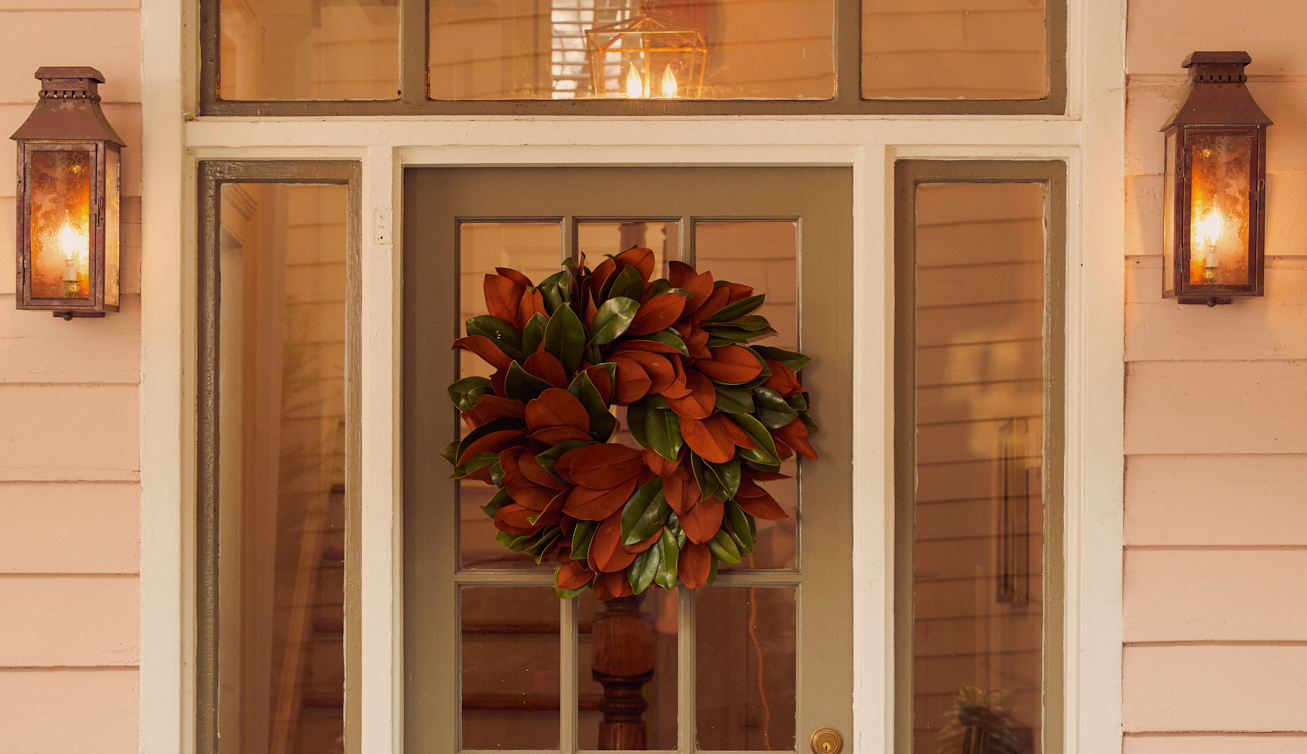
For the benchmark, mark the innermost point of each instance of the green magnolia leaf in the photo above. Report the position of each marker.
(729, 338)
(753, 323)
(659, 287)
(724, 548)
(742, 527)
(537, 549)
(792, 359)
(733, 399)
(712, 572)
(626, 283)
(645, 567)
(808, 422)
(582, 534)
(773, 411)
(667, 338)
(534, 334)
(465, 392)
(514, 542)
(657, 401)
(556, 501)
(567, 594)
(551, 456)
(760, 436)
(500, 499)
(798, 402)
(475, 463)
(674, 526)
(662, 428)
(505, 337)
(521, 385)
(728, 474)
(704, 475)
(565, 338)
(635, 417)
(494, 425)
(450, 453)
(737, 309)
(666, 576)
(758, 459)
(602, 422)
(645, 512)
(612, 319)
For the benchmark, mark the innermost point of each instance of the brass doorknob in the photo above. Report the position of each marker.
(826, 741)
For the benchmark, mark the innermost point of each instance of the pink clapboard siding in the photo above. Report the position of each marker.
(69, 430)
(1216, 421)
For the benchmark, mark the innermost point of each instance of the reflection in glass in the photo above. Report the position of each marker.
(308, 50)
(538, 49)
(509, 655)
(535, 250)
(745, 668)
(60, 194)
(763, 254)
(1219, 213)
(282, 475)
(954, 49)
(978, 513)
(636, 643)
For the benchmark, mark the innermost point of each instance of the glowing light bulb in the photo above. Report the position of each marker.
(669, 83)
(634, 84)
(1208, 230)
(74, 246)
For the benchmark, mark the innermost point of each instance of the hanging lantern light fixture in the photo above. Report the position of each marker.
(1215, 196)
(646, 56)
(69, 184)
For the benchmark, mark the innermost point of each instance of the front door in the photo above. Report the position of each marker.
(757, 661)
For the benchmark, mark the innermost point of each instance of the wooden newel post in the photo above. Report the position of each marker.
(623, 645)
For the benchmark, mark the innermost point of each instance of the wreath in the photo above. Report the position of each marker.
(713, 417)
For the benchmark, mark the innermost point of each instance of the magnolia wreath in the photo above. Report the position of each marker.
(713, 417)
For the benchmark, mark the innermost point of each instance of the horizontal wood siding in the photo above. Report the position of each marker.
(1216, 421)
(69, 429)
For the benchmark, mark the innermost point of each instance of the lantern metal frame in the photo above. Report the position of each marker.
(68, 118)
(1218, 104)
(647, 36)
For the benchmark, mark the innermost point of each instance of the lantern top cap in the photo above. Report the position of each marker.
(1217, 94)
(68, 108)
(49, 72)
(1218, 67)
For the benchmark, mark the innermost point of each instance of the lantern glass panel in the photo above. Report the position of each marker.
(1168, 218)
(1221, 164)
(59, 193)
(112, 224)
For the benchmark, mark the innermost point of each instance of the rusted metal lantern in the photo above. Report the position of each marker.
(1215, 198)
(646, 56)
(69, 183)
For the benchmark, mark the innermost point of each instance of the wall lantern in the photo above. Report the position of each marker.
(1215, 197)
(654, 57)
(69, 180)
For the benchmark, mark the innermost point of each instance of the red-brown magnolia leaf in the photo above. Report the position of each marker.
(708, 438)
(659, 368)
(656, 314)
(640, 258)
(537, 497)
(730, 364)
(547, 367)
(551, 436)
(508, 528)
(489, 407)
(765, 476)
(602, 381)
(573, 575)
(782, 380)
(764, 507)
(701, 522)
(679, 388)
(699, 403)
(605, 465)
(519, 517)
(633, 382)
(716, 300)
(595, 505)
(685, 277)
(738, 436)
(515, 276)
(502, 297)
(596, 281)
(608, 586)
(652, 346)
(497, 381)
(508, 461)
(657, 464)
(795, 435)
(563, 466)
(693, 565)
(681, 490)
(606, 553)
(645, 544)
(590, 311)
(531, 469)
(531, 304)
(737, 291)
(481, 475)
(486, 349)
(492, 443)
(556, 407)
(696, 342)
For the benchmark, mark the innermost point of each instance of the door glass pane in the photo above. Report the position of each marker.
(588, 49)
(762, 254)
(744, 682)
(628, 645)
(978, 514)
(307, 49)
(954, 49)
(535, 250)
(510, 660)
(281, 524)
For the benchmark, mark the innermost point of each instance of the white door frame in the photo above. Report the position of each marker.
(1092, 136)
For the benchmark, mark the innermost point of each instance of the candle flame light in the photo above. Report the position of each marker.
(1208, 230)
(634, 84)
(75, 247)
(669, 83)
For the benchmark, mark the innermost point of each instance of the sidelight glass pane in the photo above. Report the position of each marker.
(954, 49)
(509, 652)
(745, 668)
(589, 49)
(308, 50)
(281, 534)
(763, 254)
(535, 250)
(978, 536)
